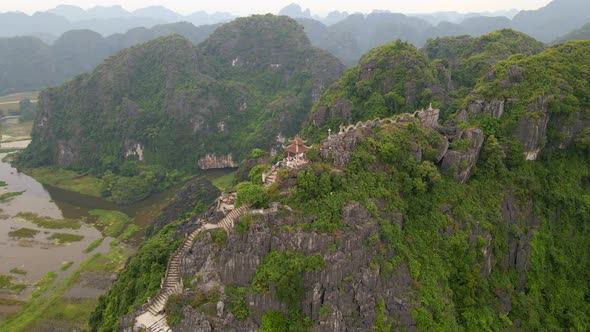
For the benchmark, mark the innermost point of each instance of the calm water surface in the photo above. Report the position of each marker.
(39, 255)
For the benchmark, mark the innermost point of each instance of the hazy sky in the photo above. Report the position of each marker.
(243, 7)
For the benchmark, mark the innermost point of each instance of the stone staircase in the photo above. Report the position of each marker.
(270, 178)
(227, 223)
(153, 318)
(160, 325)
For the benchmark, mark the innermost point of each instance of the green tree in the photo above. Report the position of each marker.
(27, 110)
(583, 140)
(492, 158)
(382, 323)
(251, 194)
(307, 183)
(274, 321)
(325, 184)
(127, 190)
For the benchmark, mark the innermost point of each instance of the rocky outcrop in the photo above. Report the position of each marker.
(493, 108)
(459, 163)
(429, 117)
(67, 152)
(338, 148)
(212, 161)
(347, 267)
(522, 225)
(566, 127)
(194, 322)
(531, 130)
(198, 191)
(533, 126)
(341, 109)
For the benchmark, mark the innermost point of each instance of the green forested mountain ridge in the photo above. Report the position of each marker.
(170, 103)
(390, 79)
(397, 77)
(29, 64)
(471, 58)
(543, 99)
(579, 34)
(418, 224)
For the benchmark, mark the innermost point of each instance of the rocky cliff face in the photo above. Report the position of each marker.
(342, 297)
(338, 148)
(533, 126)
(460, 163)
(347, 286)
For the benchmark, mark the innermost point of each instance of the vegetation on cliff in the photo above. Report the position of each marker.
(500, 251)
(140, 280)
(390, 79)
(468, 59)
(31, 64)
(397, 78)
(169, 103)
(560, 73)
(503, 247)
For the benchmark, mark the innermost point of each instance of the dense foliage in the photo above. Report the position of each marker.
(397, 78)
(450, 231)
(140, 280)
(561, 73)
(175, 103)
(447, 265)
(133, 181)
(391, 79)
(470, 58)
(27, 110)
(508, 249)
(251, 194)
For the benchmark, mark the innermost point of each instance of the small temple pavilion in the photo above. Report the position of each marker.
(296, 152)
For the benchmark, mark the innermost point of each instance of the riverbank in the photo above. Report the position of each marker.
(65, 179)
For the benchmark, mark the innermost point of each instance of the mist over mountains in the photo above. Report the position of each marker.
(27, 63)
(74, 40)
(105, 20)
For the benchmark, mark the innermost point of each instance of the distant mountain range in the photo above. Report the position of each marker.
(27, 63)
(358, 33)
(104, 20)
(579, 34)
(545, 24)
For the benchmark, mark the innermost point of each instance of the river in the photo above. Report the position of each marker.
(38, 255)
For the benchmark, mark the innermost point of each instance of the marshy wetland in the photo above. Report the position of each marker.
(62, 244)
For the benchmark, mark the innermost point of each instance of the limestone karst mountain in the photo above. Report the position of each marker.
(171, 103)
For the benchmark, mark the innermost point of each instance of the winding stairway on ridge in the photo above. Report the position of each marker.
(153, 317)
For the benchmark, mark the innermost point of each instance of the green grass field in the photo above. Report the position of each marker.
(10, 102)
(224, 182)
(67, 180)
(17, 131)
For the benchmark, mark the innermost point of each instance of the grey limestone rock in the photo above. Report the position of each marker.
(459, 164)
(347, 268)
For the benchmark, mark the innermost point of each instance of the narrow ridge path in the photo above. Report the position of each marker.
(153, 317)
